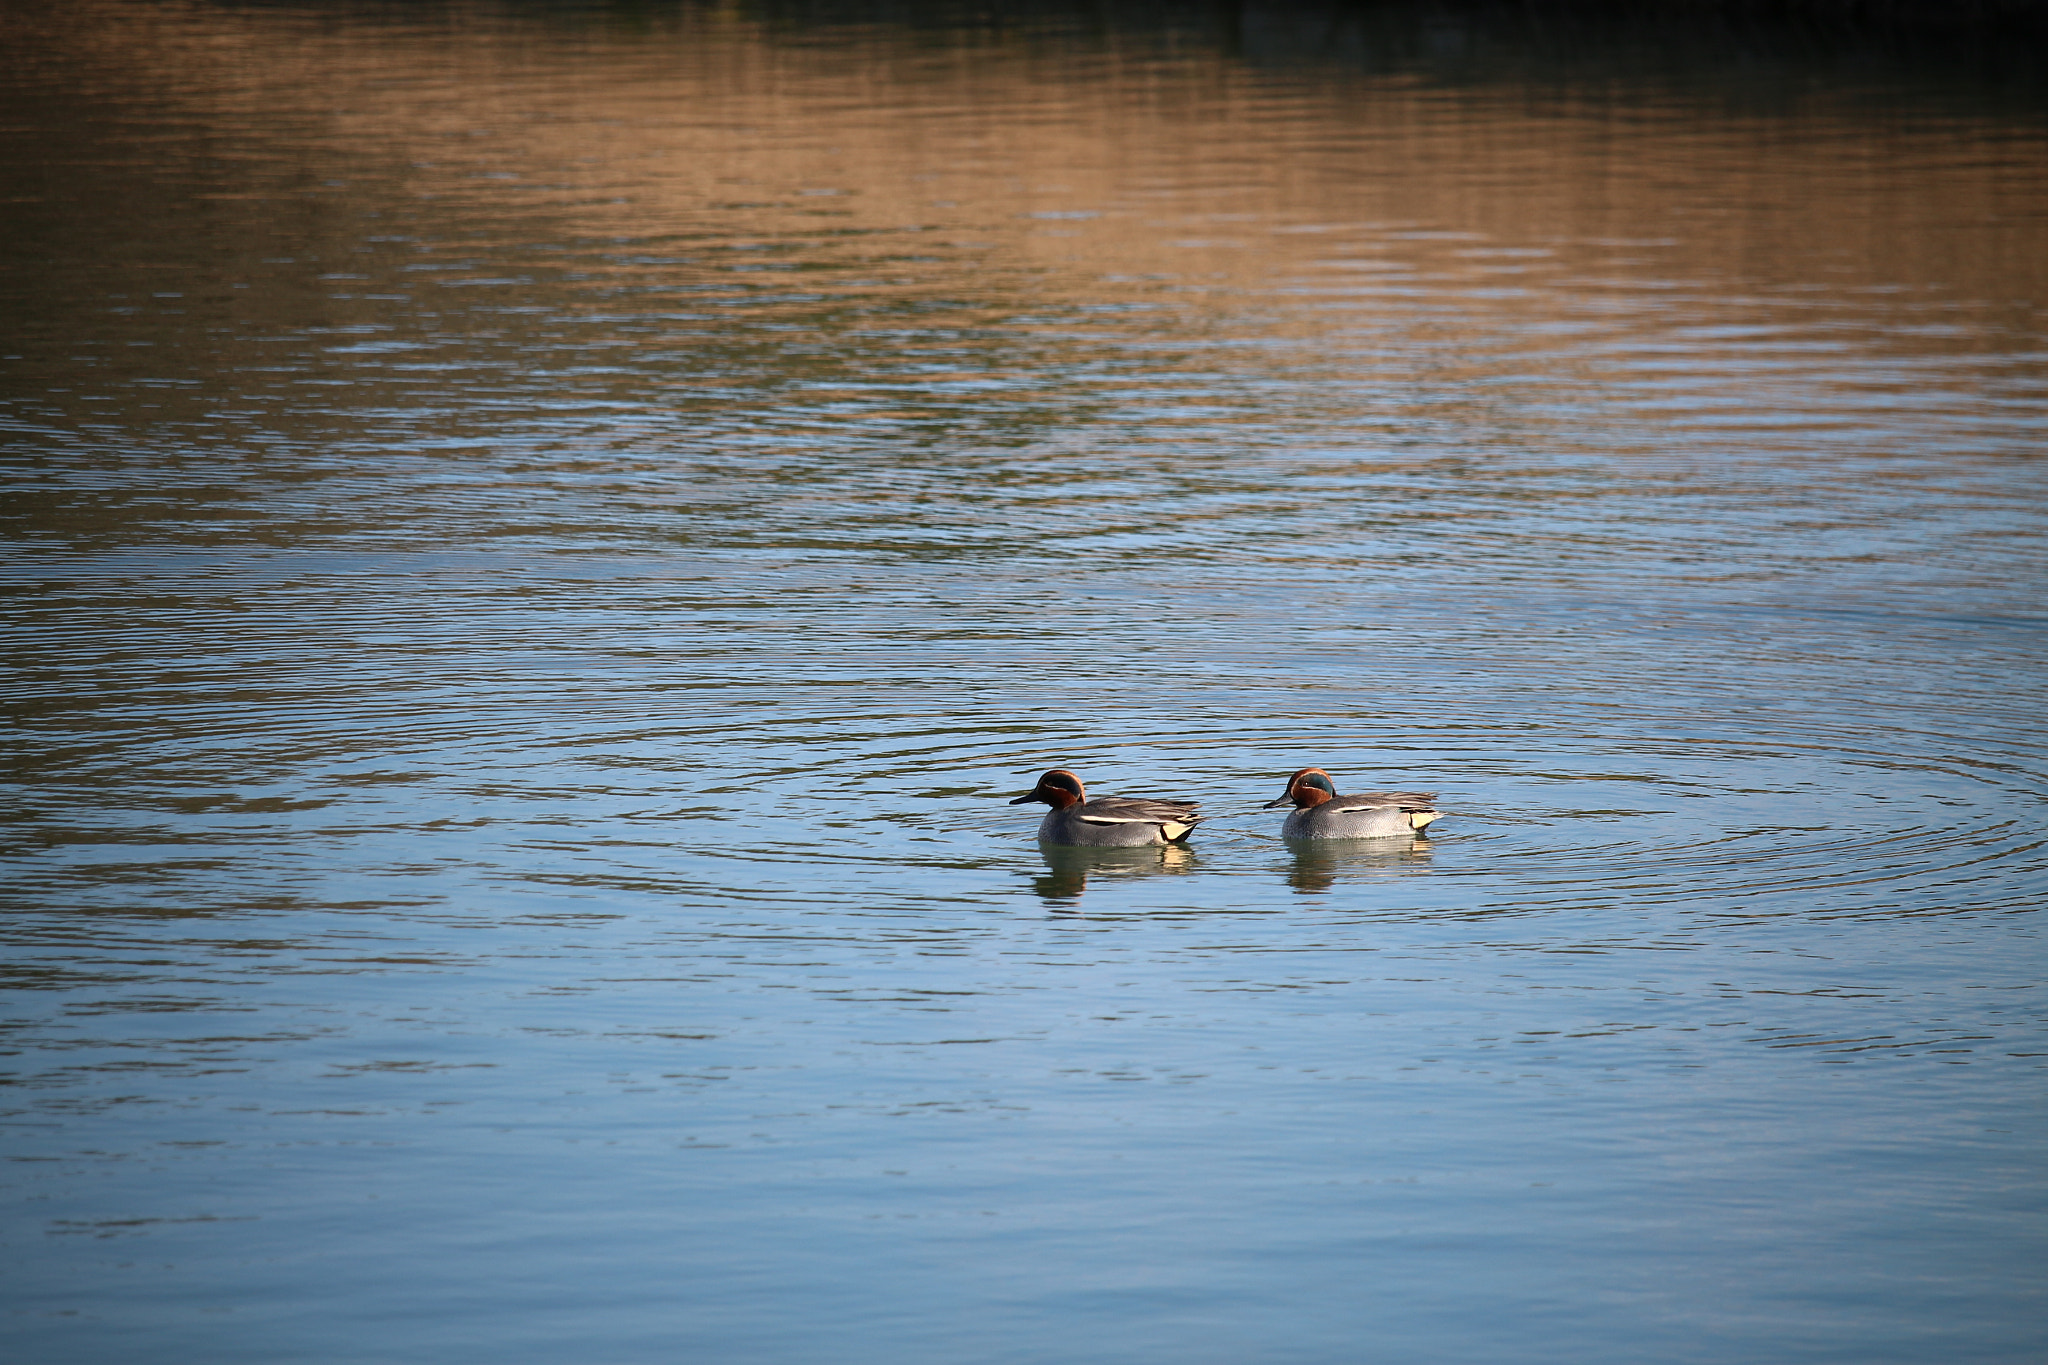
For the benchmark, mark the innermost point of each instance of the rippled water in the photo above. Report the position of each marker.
(545, 539)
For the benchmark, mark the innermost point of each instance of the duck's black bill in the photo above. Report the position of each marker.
(1027, 796)
(1286, 800)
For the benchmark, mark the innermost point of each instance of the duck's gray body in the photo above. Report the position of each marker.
(1118, 822)
(1369, 815)
(1107, 821)
(1320, 813)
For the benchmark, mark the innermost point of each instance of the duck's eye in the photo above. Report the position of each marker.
(1319, 782)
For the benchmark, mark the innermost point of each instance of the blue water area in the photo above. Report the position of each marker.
(545, 539)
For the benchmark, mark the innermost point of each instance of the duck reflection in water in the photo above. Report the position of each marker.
(1319, 863)
(1068, 868)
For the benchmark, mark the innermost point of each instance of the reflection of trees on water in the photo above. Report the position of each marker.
(1319, 863)
(1068, 869)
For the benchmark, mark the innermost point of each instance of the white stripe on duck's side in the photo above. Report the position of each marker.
(1107, 821)
(1320, 813)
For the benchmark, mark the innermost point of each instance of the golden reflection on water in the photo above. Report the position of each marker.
(1021, 173)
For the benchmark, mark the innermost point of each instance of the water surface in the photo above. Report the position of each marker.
(543, 542)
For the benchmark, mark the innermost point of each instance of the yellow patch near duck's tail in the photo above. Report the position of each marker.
(1419, 819)
(1174, 832)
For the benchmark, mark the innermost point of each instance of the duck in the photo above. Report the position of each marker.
(1107, 821)
(1320, 813)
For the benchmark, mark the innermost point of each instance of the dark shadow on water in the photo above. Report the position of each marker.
(1988, 51)
(1977, 48)
(1068, 869)
(1742, 47)
(1320, 863)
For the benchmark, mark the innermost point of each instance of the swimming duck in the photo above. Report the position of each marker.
(1107, 821)
(1319, 813)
